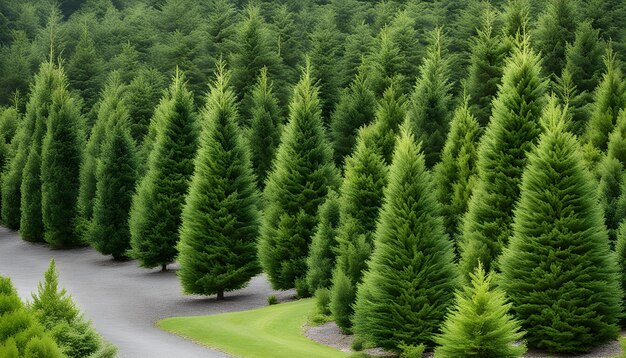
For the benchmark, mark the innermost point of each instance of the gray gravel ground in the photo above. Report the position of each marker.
(122, 300)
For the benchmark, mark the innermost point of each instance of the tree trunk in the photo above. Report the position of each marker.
(163, 267)
(220, 295)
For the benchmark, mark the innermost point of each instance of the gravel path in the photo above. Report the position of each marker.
(122, 300)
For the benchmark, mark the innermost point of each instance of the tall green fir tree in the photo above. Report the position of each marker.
(556, 27)
(611, 173)
(31, 219)
(429, 108)
(84, 70)
(265, 128)
(302, 174)
(155, 213)
(488, 54)
(355, 109)
(61, 156)
(323, 251)
(609, 99)
(116, 177)
(383, 64)
(361, 191)
(480, 324)
(220, 220)
(511, 133)
(110, 107)
(141, 94)
(558, 270)
(455, 176)
(23, 335)
(583, 58)
(411, 277)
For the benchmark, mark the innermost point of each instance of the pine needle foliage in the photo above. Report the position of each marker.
(302, 174)
(411, 277)
(155, 214)
(220, 220)
(558, 269)
(323, 250)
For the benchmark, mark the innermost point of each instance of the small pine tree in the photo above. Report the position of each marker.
(429, 110)
(22, 335)
(220, 219)
(411, 276)
(384, 65)
(361, 199)
(116, 176)
(479, 325)
(355, 109)
(31, 219)
(558, 270)
(155, 214)
(302, 174)
(84, 71)
(323, 249)
(455, 176)
(58, 313)
(583, 58)
(612, 176)
(556, 27)
(265, 128)
(110, 107)
(141, 95)
(513, 130)
(487, 59)
(61, 155)
(609, 99)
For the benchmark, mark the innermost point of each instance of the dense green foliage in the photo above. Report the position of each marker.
(220, 220)
(303, 173)
(558, 271)
(409, 284)
(155, 214)
(323, 251)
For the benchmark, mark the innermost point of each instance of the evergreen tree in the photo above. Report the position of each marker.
(84, 70)
(61, 155)
(141, 95)
(290, 45)
(609, 99)
(265, 128)
(620, 251)
(361, 199)
(411, 276)
(390, 114)
(357, 46)
(611, 173)
(323, 251)
(111, 106)
(155, 214)
(116, 176)
(579, 104)
(221, 216)
(22, 335)
(60, 316)
(513, 130)
(47, 82)
(254, 51)
(429, 109)
(555, 29)
(325, 54)
(583, 58)
(516, 15)
(355, 109)
(487, 58)
(479, 324)
(221, 27)
(384, 63)
(558, 270)
(455, 176)
(301, 176)
(403, 34)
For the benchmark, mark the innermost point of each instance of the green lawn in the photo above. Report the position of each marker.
(272, 331)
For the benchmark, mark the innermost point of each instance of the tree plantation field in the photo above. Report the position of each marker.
(419, 178)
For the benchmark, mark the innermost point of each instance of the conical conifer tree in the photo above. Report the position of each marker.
(516, 15)
(411, 277)
(361, 199)
(220, 220)
(141, 95)
(513, 130)
(302, 174)
(487, 59)
(611, 173)
(323, 250)
(111, 107)
(620, 251)
(555, 29)
(429, 109)
(84, 71)
(455, 176)
(155, 214)
(31, 219)
(265, 128)
(116, 176)
(558, 270)
(355, 109)
(609, 99)
(384, 64)
(61, 156)
(480, 325)
(584, 58)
